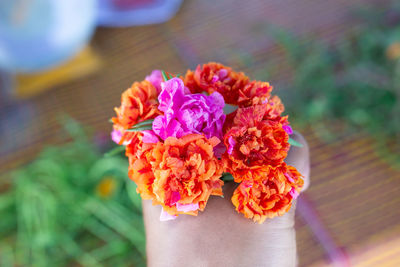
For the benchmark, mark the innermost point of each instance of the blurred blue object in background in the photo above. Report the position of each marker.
(39, 34)
(121, 13)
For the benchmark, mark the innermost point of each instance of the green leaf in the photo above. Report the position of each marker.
(227, 177)
(114, 151)
(133, 195)
(229, 108)
(143, 123)
(164, 75)
(294, 143)
(141, 128)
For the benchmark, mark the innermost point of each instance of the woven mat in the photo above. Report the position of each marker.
(354, 193)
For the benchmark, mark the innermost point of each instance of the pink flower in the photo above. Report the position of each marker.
(289, 177)
(232, 144)
(294, 193)
(188, 113)
(288, 129)
(165, 216)
(187, 207)
(149, 137)
(156, 79)
(116, 137)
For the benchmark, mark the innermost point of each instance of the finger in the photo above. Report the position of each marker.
(219, 230)
(299, 157)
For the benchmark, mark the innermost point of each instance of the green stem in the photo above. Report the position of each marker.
(294, 143)
(164, 75)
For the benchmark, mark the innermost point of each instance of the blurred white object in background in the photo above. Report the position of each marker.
(39, 34)
(121, 13)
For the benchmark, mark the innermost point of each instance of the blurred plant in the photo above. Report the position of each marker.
(355, 80)
(72, 206)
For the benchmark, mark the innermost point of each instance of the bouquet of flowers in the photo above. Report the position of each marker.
(185, 136)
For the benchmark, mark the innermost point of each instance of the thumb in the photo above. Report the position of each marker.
(299, 157)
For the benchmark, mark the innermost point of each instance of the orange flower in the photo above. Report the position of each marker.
(270, 197)
(274, 107)
(140, 170)
(179, 173)
(254, 93)
(213, 77)
(134, 148)
(138, 103)
(253, 143)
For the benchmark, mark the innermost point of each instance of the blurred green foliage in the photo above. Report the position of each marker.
(353, 79)
(72, 206)
(356, 80)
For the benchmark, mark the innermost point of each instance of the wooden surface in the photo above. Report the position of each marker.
(355, 194)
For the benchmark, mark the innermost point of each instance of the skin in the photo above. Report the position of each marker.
(220, 236)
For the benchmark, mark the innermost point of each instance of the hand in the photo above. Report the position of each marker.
(220, 236)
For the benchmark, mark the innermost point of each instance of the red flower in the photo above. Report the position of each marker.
(254, 143)
(269, 197)
(275, 108)
(254, 93)
(140, 171)
(178, 173)
(138, 103)
(213, 77)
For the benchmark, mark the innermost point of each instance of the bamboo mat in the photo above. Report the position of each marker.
(354, 194)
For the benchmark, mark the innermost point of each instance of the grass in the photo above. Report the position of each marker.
(72, 206)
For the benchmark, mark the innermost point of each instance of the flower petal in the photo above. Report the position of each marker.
(187, 207)
(165, 216)
(116, 136)
(232, 143)
(149, 137)
(288, 129)
(155, 78)
(294, 193)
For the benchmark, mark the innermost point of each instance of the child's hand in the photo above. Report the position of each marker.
(220, 236)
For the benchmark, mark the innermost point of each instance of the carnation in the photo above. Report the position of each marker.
(182, 133)
(140, 170)
(254, 93)
(254, 143)
(156, 79)
(215, 77)
(138, 103)
(188, 113)
(180, 173)
(268, 197)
